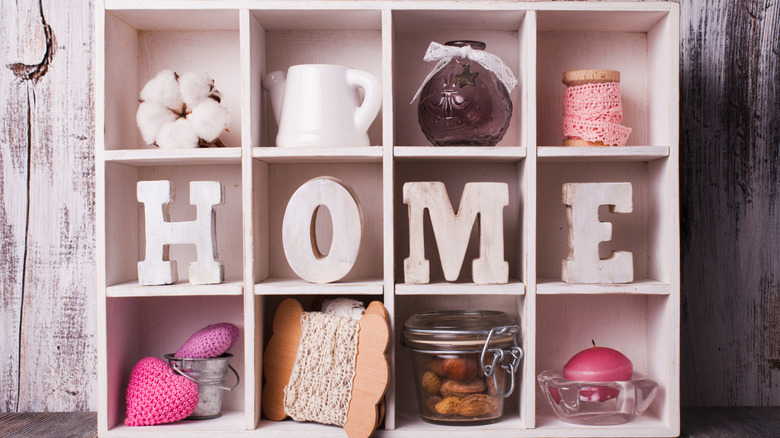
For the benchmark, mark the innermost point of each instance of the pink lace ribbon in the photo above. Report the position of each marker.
(593, 112)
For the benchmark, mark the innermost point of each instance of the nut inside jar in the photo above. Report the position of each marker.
(454, 389)
(464, 364)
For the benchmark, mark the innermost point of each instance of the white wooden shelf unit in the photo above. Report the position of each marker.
(237, 42)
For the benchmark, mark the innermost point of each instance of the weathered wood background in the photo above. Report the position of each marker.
(730, 178)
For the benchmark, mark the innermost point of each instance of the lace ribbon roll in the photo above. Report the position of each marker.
(320, 385)
(592, 109)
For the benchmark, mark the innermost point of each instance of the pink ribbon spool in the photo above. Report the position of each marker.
(592, 109)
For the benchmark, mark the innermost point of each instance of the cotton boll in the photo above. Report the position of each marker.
(163, 89)
(209, 119)
(151, 117)
(177, 135)
(195, 87)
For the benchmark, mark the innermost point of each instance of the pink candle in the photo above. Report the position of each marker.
(598, 364)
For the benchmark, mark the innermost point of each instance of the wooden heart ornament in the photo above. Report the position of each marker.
(371, 366)
(157, 395)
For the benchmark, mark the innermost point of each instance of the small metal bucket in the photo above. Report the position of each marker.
(210, 375)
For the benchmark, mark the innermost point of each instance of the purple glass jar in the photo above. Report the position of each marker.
(464, 104)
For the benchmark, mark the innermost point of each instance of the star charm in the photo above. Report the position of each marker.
(466, 77)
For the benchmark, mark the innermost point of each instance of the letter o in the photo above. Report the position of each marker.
(298, 234)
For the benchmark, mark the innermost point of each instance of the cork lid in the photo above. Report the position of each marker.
(579, 77)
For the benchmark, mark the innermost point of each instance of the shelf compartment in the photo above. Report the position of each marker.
(513, 287)
(275, 155)
(551, 286)
(645, 232)
(288, 286)
(134, 289)
(125, 228)
(174, 157)
(141, 43)
(500, 30)
(600, 153)
(140, 327)
(511, 154)
(455, 175)
(407, 415)
(274, 185)
(638, 46)
(287, 37)
(639, 326)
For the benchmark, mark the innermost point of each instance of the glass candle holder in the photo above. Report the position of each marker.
(597, 403)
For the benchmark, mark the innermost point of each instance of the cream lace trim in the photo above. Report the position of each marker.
(320, 386)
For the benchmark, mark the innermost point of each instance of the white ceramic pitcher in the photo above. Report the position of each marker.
(318, 105)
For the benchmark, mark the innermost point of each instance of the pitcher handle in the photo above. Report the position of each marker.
(372, 101)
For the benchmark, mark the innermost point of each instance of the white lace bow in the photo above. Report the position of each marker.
(444, 54)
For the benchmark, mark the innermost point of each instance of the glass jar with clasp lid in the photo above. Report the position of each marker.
(464, 364)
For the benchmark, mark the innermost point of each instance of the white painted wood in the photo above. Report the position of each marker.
(299, 231)
(288, 286)
(551, 286)
(172, 157)
(102, 309)
(411, 42)
(452, 230)
(385, 38)
(154, 326)
(601, 153)
(388, 198)
(630, 232)
(251, 42)
(47, 318)
(573, 51)
(511, 287)
(466, 153)
(283, 180)
(369, 154)
(135, 289)
(527, 247)
(586, 231)
(156, 269)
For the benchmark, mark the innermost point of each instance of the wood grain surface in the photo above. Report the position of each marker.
(730, 178)
(730, 187)
(47, 353)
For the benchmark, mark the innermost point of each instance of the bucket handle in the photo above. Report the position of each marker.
(176, 368)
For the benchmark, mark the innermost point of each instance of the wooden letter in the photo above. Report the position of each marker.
(156, 268)
(299, 235)
(452, 230)
(586, 231)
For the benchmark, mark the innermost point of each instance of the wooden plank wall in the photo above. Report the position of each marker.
(730, 179)
(47, 311)
(730, 210)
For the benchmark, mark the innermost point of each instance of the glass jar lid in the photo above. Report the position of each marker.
(458, 330)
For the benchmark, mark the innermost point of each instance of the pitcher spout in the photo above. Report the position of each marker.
(275, 83)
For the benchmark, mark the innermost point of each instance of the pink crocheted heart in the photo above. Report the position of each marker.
(157, 395)
(210, 341)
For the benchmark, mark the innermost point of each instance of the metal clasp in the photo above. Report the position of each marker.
(514, 351)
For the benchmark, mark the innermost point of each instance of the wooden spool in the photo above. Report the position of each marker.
(580, 77)
(372, 370)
